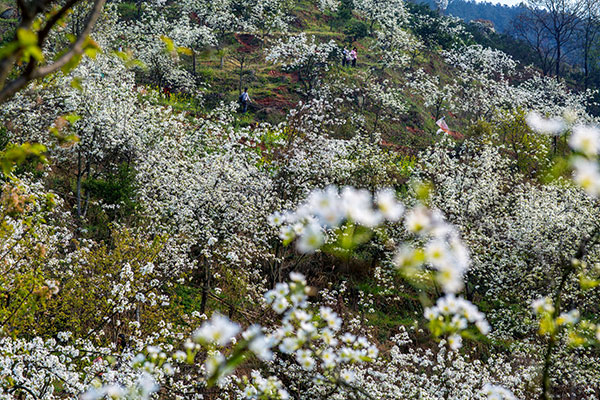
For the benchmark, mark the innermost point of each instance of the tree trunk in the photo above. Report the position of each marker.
(86, 203)
(205, 286)
(193, 62)
(558, 58)
(78, 189)
(241, 75)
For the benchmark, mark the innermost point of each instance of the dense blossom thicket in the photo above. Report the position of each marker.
(157, 243)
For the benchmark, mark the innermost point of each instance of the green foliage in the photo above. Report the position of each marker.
(206, 74)
(343, 14)
(479, 129)
(356, 30)
(90, 49)
(27, 42)
(188, 297)
(14, 155)
(529, 150)
(116, 188)
(390, 309)
(81, 297)
(128, 10)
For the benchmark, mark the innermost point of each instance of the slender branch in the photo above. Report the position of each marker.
(28, 14)
(76, 49)
(568, 269)
(16, 309)
(23, 388)
(356, 388)
(54, 20)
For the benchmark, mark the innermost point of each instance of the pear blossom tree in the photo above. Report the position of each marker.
(438, 97)
(103, 114)
(387, 14)
(305, 56)
(328, 5)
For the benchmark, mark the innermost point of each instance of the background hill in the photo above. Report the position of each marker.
(501, 15)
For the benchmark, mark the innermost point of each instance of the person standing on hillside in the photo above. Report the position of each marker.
(348, 58)
(345, 56)
(244, 100)
(353, 56)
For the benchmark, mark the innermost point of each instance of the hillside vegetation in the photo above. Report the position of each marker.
(419, 224)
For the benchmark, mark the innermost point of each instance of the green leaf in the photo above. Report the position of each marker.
(184, 50)
(8, 49)
(91, 48)
(76, 83)
(559, 167)
(362, 235)
(587, 283)
(35, 52)
(346, 236)
(72, 118)
(122, 55)
(28, 41)
(15, 155)
(71, 64)
(168, 43)
(136, 63)
(26, 37)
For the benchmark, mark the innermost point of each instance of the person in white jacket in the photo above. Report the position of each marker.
(245, 99)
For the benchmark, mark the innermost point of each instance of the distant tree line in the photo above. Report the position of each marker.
(501, 15)
(564, 35)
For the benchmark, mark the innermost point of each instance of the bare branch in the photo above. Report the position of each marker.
(54, 20)
(77, 47)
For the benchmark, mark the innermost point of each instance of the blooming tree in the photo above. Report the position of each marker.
(304, 56)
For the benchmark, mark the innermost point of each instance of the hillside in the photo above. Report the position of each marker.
(401, 205)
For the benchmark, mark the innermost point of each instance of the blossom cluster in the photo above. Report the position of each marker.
(444, 251)
(453, 314)
(584, 141)
(264, 388)
(580, 331)
(329, 208)
(495, 392)
(314, 339)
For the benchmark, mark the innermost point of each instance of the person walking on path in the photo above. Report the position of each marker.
(353, 56)
(244, 100)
